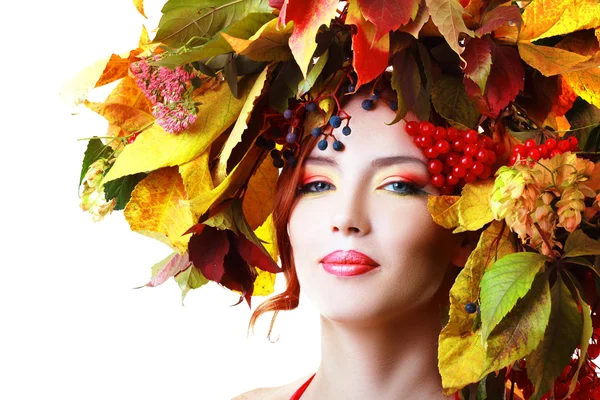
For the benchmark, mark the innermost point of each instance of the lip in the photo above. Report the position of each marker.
(348, 263)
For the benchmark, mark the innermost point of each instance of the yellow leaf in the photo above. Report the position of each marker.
(586, 83)
(144, 38)
(547, 18)
(557, 123)
(550, 60)
(154, 209)
(444, 210)
(139, 4)
(258, 198)
(240, 125)
(124, 116)
(267, 44)
(460, 352)
(474, 206)
(265, 281)
(196, 177)
(154, 148)
(129, 93)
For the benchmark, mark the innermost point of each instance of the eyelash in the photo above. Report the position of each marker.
(413, 189)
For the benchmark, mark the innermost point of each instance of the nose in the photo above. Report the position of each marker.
(350, 216)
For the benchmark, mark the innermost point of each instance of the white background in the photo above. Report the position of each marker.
(71, 326)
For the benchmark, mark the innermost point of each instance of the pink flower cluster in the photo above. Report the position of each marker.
(168, 90)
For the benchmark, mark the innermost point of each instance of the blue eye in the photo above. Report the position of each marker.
(307, 188)
(404, 188)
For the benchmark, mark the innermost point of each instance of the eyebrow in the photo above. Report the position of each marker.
(377, 163)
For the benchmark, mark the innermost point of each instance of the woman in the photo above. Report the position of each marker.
(379, 328)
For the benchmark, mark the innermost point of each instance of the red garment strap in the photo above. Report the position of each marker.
(301, 389)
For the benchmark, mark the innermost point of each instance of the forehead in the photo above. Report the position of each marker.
(371, 137)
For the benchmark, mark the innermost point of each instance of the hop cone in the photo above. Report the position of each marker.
(91, 192)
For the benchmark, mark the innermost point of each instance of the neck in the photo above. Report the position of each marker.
(392, 359)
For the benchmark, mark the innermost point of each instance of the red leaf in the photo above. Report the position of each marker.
(207, 251)
(277, 4)
(177, 264)
(197, 229)
(498, 17)
(478, 55)
(506, 80)
(238, 274)
(308, 16)
(388, 15)
(370, 56)
(254, 255)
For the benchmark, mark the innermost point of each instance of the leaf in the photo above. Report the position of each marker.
(523, 328)
(95, 150)
(308, 16)
(154, 209)
(406, 81)
(155, 148)
(129, 93)
(121, 189)
(474, 206)
(547, 18)
(460, 351)
(388, 15)
(550, 60)
(267, 44)
(243, 226)
(259, 196)
(121, 115)
(414, 26)
(170, 266)
(313, 74)
(207, 251)
(287, 77)
(508, 280)
(139, 4)
(117, 67)
(478, 55)
(190, 278)
(254, 256)
(241, 124)
(498, 17)
(586, 83)
(444, 210)
(242, 29)
(196, 177)
(370, 56)
(451, 101)
(184, 19)
(580, 244)
(447, 15)
(563, 334)
(222, 220)
(423, 106)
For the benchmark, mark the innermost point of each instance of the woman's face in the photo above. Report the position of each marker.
(372, 198)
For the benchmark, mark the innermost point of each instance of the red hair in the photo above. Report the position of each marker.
(285, 197)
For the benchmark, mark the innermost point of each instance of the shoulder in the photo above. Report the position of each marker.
(274, 393)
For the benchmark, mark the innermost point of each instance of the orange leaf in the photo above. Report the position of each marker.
(388, 15)
(117, 67)
(308, 16)
(370, 56)
(259, 195)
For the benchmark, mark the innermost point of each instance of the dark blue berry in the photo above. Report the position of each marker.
(471, 308)
(367, 104)
(338, 146)
(275, 154)
(288, 114)
(261, 141)
(346, 130)
(335, 121)
(394, 105)
(278, 163)
(316, 131)
(291, 138)
(376, 94)
(287, 153)
(311, 107)
(351, 88)
(322, 144)
(270, 144)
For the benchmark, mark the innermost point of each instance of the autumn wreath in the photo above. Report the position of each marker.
(227, 92)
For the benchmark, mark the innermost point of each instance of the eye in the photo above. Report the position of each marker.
(405, 188)
(316, 185)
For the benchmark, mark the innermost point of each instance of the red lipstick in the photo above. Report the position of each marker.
(348, 263)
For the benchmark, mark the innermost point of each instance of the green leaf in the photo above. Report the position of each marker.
(522, 330)
(508, 280)
(188, 279)
(121, 189)
(579, 244)
(563, 334)
(313, 74)
(423, 106)
(184, 19)
(584, 114)
(243, 226)
(285, 85)
(243, 29)
(95, 151)
(406, 81)
(451, 101)
(231, 75)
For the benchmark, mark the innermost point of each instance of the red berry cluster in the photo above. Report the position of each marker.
(456, 156)
(548, 149)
